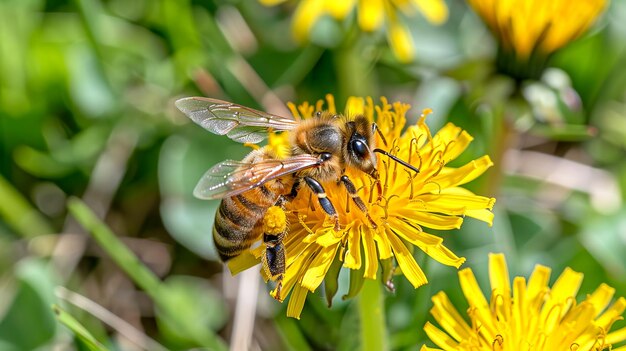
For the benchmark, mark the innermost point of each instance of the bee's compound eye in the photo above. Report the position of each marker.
(359, 148)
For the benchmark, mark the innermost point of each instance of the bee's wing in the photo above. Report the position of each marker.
(230, 178)
(239, 123)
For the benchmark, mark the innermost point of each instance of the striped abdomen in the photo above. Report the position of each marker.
(238, 221)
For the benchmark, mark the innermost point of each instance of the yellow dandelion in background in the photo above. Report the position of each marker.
(536, 317)
(409, 203)
(372, 15)
(542, 26)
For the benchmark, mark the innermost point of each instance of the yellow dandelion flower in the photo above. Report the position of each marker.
(372, 15)
(524, 27)
(534, 317)
(409, 203)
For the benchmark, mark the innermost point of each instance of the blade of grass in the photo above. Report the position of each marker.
(19, 214)
(140, 274)
(119, 252)
(81, 332)
(121, 326)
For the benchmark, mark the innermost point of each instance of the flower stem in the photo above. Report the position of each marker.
(353, 68)
(372, 315)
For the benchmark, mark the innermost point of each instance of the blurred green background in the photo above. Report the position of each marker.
(88, 131)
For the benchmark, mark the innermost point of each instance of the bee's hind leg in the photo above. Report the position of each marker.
(273, 259)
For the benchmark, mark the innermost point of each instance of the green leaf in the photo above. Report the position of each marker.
(78, 329)
(356, 283)
(28, 307)
(195, 299)
(389, 269)
(331, 280)
(39, 164)
(602, 236)
(564, 132)
(182, 162)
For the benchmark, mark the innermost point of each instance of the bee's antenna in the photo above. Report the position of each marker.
(404, 163)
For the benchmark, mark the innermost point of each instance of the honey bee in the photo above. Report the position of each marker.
(321, 149)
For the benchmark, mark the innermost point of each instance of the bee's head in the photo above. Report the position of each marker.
(359, 146)
(361, 149)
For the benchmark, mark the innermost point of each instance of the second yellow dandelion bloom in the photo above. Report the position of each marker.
(372, 15)
(529, 315)
(401, 207)
(525, 27)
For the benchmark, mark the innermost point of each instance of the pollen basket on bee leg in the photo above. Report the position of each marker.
(275, 221)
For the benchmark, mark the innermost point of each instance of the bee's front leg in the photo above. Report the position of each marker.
(327, 206)
(351, 189)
